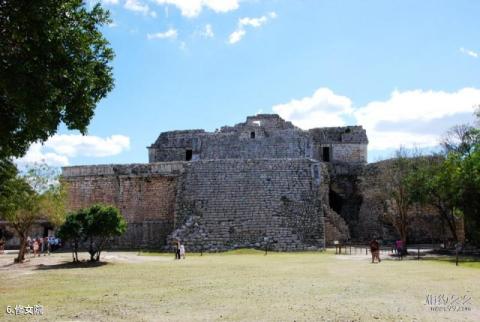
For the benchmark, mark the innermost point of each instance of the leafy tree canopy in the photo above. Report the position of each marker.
(54, 67)
(29, 197)
(95, 226)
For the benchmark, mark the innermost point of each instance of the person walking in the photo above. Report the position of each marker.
(375, 250)
(182, 251)
(399, 247)
(36, 247)
(2, 245)
(176, 249)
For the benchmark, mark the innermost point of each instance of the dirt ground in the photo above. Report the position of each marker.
(242, 285)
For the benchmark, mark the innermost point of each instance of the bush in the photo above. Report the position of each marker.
(95, 226)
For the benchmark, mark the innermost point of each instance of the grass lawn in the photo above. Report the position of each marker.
(239, 285)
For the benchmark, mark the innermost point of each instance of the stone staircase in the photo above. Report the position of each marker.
(335, 227)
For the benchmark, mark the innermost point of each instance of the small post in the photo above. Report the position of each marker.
(366, 250)
(418, 254)
(458, 248)
(266, 244)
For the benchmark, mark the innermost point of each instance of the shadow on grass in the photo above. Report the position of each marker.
(69, 265)
(466, 261)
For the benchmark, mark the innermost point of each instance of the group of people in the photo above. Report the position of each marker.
(179, 250)
(43, 245)
(375, 249)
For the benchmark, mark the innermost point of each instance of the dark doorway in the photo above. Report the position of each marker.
(326, 154)
(252, 135)
(336, 201)
(188, 155)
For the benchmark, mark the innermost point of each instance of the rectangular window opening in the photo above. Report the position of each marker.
(188, 155)
(252, 135)
(326, 154)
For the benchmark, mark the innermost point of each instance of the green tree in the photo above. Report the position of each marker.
(94, 226)
(25, 199)
(54, 68)
(395, 192)
(436, 182)
(101, 223)
(72, 230)
(469, 178)
(19, 208)
(451, 182)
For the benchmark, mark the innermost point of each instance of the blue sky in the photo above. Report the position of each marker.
(405, 70)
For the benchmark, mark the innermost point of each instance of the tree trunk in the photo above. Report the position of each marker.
(76, 250)
(21, 252)
(444, 213)
(91, 251)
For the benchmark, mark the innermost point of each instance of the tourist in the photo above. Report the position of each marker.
(176, 249)
(49, 245)
(375, 250)
(36, 246)
(46, 246)
(29, 245)
(182, 251)
(42, 245)
(399, 247)
(2, 245)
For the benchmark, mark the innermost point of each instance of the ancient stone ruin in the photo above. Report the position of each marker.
(260, 183)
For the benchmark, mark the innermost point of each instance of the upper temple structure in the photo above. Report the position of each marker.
(260, 183)
(264, 136)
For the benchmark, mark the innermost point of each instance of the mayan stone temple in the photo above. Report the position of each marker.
(261, 181)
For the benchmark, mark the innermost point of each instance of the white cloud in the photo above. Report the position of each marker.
(170, 33)
(35, 154)
(137, 6)
(192, 8)
(110, 1)
(323, 108)
(57, 150)
(240, 32)
(236, 36)
(207, 31)
(413, 118)
(470, 53)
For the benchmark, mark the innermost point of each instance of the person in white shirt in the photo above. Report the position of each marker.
(182, 251)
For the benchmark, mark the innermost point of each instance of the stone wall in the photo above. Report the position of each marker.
(289, 143)
(262, 136)
(144, 194)
(344, 144)
(238, 203)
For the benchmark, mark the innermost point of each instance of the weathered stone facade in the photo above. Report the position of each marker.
(246, 203)
(261, 181)
(263, 136)
(144, 194)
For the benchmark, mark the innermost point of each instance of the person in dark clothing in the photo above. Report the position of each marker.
(375, 250)
(177, 249)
